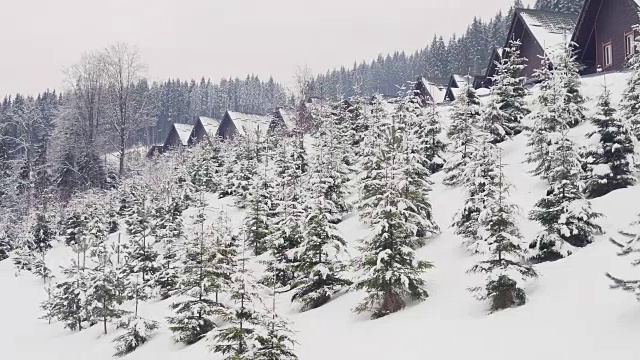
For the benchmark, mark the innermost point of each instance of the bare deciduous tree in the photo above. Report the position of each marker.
(128, 107)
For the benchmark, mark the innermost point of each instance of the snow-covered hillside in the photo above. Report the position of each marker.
(570, 314)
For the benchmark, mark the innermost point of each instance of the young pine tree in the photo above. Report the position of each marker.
(244, 319)
(320, 268)
(505, 269)
(480, 177)
(291, 170)
(206, 272)
(105, 287)
(564, 213)
(506, 106)
(462, 133)
(393, 200)
(608, 161)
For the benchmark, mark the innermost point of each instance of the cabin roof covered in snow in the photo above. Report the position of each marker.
(288, 117)
(250, 122)
(210, 125)
(184, 132)
(436, 91)
(550, 29)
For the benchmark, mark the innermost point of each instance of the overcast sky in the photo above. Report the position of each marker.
(219, 38)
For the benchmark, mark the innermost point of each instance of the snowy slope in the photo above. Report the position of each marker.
(571, 313)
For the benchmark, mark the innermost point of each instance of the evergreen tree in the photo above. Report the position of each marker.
(320, 269)
(168, 231)
(393, 200)
(462, 133)
(608, 162)
(505, 269)
(41, 237)
(480, 177)
(141, 257)
(137, 332)
(244, 318)
(291, 167)
(206, 271)
(70, 303)
(260, 203)
(506, 107)
(105, 287)
(564, 213)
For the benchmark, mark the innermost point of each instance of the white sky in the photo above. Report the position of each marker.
(219, 38)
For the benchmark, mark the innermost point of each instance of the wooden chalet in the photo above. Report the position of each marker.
(458, 82)
(284, 120)
(605, 35)
(429, 92)
(177, 138)
(205, 129)
(539, 32)
(236, 124)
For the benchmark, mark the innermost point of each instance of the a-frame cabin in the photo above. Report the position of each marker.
(539, 32)
(605, 35)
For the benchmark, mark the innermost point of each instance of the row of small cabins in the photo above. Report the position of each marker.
(603, 33)
(232, 125)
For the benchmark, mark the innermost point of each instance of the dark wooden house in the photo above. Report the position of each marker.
(539, 32)
(605, 35)
(205, 129)
(236, 124)
(177, 138)
(285, 120)
(430, 91)
(458, 82)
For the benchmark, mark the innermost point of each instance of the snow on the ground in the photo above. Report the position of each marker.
(570, 314)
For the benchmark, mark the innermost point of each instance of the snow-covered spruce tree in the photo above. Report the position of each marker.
(547, 119)
(608, 165)
(137, 330)
(462, 133)
(567, 68)
(39, 243)
(245, 168)
(167, 229)
(328, 170)
(291, 170)
(206, 166)
(276, 340)
(245, 316)
(505, 268)
(564, 212)
(393, 200)
(627, 248)
(481, 176)
(320, 268)
(105, 287)
(260, 204)
(205, 272)
(560, 105)
(425, 122)
(70, 304)
(630, 103)
(141, 257)
(506, 106)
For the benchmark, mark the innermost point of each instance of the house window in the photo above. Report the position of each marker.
(607, 53)
(629, 44)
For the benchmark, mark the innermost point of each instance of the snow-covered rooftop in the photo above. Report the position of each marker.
(550, 29)
(184, 131)
(210, 125)
(250, 123)
(436, 91)
(289, 117)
